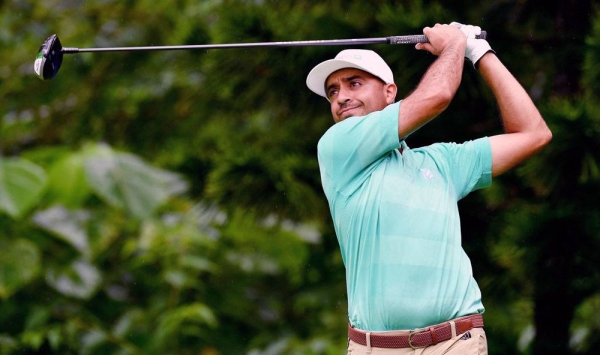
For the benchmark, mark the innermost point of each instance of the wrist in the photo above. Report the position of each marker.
(476, 49)
(483, 58)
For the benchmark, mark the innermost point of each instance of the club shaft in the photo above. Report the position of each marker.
(340, 42)
(410, 39)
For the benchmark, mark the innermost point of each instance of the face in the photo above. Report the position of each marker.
(353, 92)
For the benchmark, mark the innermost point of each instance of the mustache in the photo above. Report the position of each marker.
(347, 106)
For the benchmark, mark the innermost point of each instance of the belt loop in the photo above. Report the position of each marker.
(453, 328)
(368, 336)
(434, 338)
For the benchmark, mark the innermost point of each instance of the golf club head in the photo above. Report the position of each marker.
(49, 58)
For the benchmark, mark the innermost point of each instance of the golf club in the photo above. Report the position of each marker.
(50, 55)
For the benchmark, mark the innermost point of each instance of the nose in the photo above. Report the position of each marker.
(342, 96)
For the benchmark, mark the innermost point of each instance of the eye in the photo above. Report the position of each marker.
(354, 83)
(332, 92)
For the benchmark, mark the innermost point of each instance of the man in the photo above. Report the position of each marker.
(409, 282)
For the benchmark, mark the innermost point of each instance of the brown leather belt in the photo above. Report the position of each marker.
(416, 339)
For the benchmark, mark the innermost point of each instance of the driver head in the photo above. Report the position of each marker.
(49, 58)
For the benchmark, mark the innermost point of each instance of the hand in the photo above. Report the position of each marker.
(476, 48)
(441, 38)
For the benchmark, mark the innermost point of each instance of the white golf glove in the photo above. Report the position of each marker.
(476, 48)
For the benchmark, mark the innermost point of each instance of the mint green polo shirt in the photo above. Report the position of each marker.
(397, 222)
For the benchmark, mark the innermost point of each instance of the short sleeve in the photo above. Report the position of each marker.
(470, 165)
(349, 148)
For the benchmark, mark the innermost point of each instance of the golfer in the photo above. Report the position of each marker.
(410, 285)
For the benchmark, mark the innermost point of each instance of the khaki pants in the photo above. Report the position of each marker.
(473, 342)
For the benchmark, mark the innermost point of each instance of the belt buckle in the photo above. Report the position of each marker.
(410, 334)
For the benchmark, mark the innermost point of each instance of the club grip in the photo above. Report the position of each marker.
(414, 39)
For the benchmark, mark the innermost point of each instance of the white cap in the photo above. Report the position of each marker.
(362, 59)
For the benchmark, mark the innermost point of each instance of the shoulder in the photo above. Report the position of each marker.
(480, 145)
(378, 120)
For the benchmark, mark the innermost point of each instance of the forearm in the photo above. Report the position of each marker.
(435, 91)
(518, 111)
(525, 130)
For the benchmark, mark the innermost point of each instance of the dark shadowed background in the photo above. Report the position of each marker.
(170, 202)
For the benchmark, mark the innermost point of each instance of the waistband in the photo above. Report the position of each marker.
(417, 338)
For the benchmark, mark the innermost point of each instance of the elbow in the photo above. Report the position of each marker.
(545, 136)
(443, 99)
(540, 139)
(446, 95)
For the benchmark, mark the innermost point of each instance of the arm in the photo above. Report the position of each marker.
(526, 131)
(439, 84)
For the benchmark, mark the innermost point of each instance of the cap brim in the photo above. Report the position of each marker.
(319, 74)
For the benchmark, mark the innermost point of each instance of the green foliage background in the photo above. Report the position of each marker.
(170, 202)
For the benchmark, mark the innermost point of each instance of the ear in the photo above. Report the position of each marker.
(390, 92)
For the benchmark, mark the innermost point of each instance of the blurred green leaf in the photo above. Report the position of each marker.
(125, 181)
(242, 128)
(8, 345)
(19, 264)
(67, 181)
(188, 320)
(79, 280)
(21, 185)
(33, 338)
(67, 225)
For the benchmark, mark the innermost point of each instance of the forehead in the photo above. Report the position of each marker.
(347, 73)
